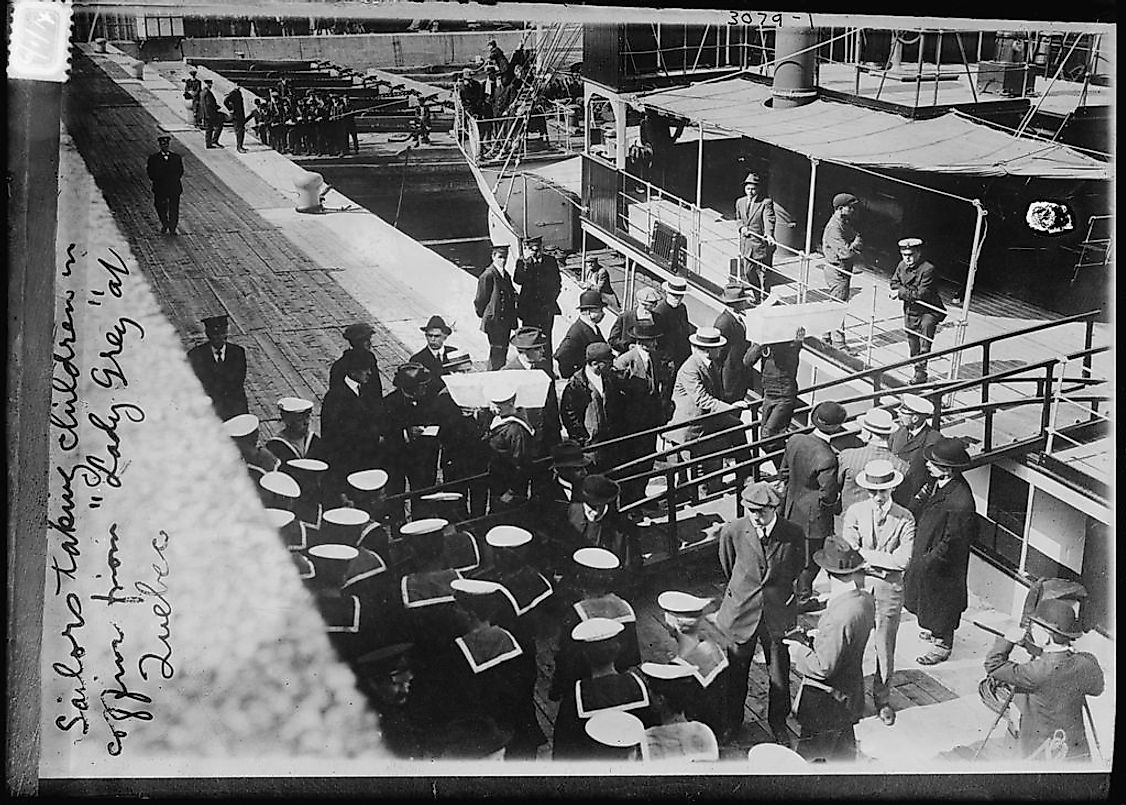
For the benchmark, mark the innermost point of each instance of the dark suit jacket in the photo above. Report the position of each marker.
(495, 302)
(351, 432)
(589, 418)
(234, 104)
(945, 525)
(809, 470)
(736, 372)
(918, 288)
(374, 386)
(539, 287)
(165, 173)
(648, 388)
(571, 352)
(620, 338)
(211, 112)
(224, 381)
(426, 358)
(838, 649)
(910, 449)
(747, 565)
(675, 329)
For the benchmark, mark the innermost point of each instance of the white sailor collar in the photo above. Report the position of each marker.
(342, 615)
(525, 589)
(428, 589)
(367, 564)
(707, 661)
(605, 606)
(487, 647)
(498, 421)
(633, 694)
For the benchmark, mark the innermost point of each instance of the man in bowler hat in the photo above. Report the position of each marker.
(571, 352)
(165, 169)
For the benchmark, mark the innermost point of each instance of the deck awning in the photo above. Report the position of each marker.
(853, 135)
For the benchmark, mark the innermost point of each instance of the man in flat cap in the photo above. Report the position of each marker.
(841, 245)
(647, 377)
(809, 474)
(165, 169)
(435, 354)
(915, 283)
(761, 554)
(537, 274)
(647, 300)
(571, 352)
(757, 220)
(593, 404)
(296, 439)
(221, 368)
(910, 441)
(596, 277)
(495, 304)
(358, 336)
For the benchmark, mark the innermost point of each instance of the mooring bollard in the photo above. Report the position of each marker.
(100, 45)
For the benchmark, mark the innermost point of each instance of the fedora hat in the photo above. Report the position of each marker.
(569, 453)
(829, 417)
(590, 299)
(734, 293)
(879, 474)
(644, 331)
(838, 558)
(598, 490)
(1058, 616)
(437, 323)
(878, 421)
(677, 286)
(528, 338)
(759, 495)
(707, 338)
(411, 376)
(949, 453)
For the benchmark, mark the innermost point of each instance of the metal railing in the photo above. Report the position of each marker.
(486, 140)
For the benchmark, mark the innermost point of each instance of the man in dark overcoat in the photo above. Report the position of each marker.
(735, 371)
(537, 274)
(571, 352)
(221, 368)
(351, 425)
(165, 169)
(495, 304)
(915, 283)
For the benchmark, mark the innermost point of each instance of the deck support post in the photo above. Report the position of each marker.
(975, 253)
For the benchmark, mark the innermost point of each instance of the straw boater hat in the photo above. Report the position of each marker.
(677, 286)
(879, 474)
(878, 421)
(949, 453)
(456, 359)
(839, 559)
(707, 338)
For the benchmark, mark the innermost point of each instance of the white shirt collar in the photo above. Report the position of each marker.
(594, 380)
(943, 482)
(841, 593)
(1056, 648)
(520, 356)
(769, 527)
(352, 384)
(825, 437)
(645, 357)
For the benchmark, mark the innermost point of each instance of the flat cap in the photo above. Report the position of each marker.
(648, 294)
(760, 494)
(595, 630)
(508, 536)
(294, 405)
(215, 320)
(385, 655)
(357, 332)
(599, 351)
(596, 559)
(679, 603)
(241, 425)
(844, 199)
(534, 240)
(500, 247)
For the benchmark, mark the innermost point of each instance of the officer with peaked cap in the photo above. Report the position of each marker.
(910, 442)
(621, 331)
(702, 647)
(604, 690)
(841, 245)
(244, 430)
(593, 404)
(436, 353)
(358, 336)
(596, 521)
(538, 276)
(672, 316)
(296, 439)
(762, 555)
(915, 283)
(495, 304)
(876, 428)
(165, 170)
(571, 352)
(221, 368)
(675, 737)
(593, 580)
(812, 489)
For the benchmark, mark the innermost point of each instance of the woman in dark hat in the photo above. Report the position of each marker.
(946, 519)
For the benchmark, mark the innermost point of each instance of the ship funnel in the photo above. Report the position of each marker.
(795, 80)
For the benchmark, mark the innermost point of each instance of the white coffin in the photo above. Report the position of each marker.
(471, 390)
(771, 324)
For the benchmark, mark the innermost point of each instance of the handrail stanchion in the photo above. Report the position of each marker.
(985, 396)
(1046, 413)
(871, 326)
(1088, 339)
(670, 505)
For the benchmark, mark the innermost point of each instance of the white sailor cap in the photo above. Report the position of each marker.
(442, 497)
(280, 484)
(241, 425)
(679, 603)
(666, 670)
(597, 559)
(294, 405)
(776, 758)
(307, 464)
(508, 536)
(428, 525)
(474, 586)
(343, 553)
(368, 480)
(615, 728)
(596, 629)
(920, 405)
(345, 516)
(500, 390)
(910, 243)
(280, 518)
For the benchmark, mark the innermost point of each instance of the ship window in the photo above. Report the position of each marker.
(1008, 501)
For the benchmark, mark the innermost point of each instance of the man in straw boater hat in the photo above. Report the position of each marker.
(884, 534)
(435, 354)
(915, 282)
(876, 427)
(672, 316)
(538, 276)
(571, 352)
(495, 304)
(296, 439)
(735, 371)
(831, 697)
(809, 474)
(841, 245)
(701, 647)
(945, 525)
(910, 441)
(221, 367)
(698, 390)
(761, 554)
(1052, 686)
(621, 331)
(675, 737)
(165, 169)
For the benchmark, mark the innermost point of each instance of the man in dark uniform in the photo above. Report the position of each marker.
(165, 169)
(221, 368)
(358, 337)
(435, 354)
(192, 87)
(809, 474)
(235, 105)
(915, 282)
(495, 304)
(647, 378)
(841, 245)
(351, 425)
(537, 274)
(672, 317)
(735, 371)
(571, 353)
(212, 116)
(910, 442)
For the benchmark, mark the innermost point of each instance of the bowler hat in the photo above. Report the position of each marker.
(357, 332)
(599, 351)
(411, 376)
(1058, 616)
(879, 474)
(590, 299)
(569, 453)
(528, 338)
(708, 338)
(599, 490)
(844, 199)
(759, 495)
(437, 323)
(829, 417)
(949, 453)
(839, 558)
(644, 331)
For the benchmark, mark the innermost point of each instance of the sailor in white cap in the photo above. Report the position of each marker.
(915, 435)
(429, 584)
(675, 737)
(342, 612)
(915, 283)
(884, 534)
(876, 428)
(243, 428)
(279, 491)
(291, 529)
(594, 576)
(510, 443)
(604, 690)
(310, 473)
(616, 736)
(672, 315)
(702, 648)
(296, 439)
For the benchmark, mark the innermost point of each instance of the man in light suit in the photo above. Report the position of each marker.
(831, 698)
(571, 352)
(809, 474)
(876, 427)
(761, 555)
(698, 390)
(736, 372)
(495, 304)
(647, 377)
(884, 534)
(757, 220)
